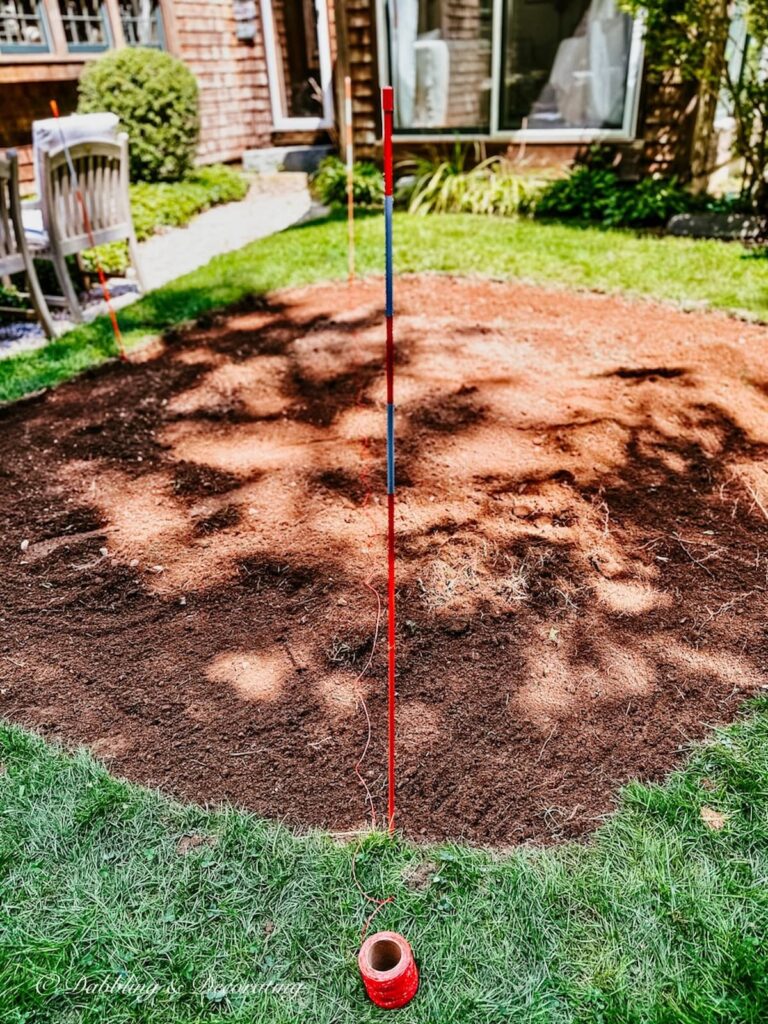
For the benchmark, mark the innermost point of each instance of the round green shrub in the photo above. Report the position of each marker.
(155, 97)
(329, 183)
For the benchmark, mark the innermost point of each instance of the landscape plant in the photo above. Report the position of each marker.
(693, 41)
(594, 191)
(155, 96)
(493, 186)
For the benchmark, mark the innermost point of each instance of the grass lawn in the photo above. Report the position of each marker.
(661, 918)
(680, 270)
(118, 905)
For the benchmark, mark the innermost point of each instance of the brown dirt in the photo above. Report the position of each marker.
(583, 519)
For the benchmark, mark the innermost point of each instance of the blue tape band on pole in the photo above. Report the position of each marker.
(390, 449)
(388, 243)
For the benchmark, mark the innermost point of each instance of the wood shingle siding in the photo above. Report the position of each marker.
(235, 107)
(235, 111)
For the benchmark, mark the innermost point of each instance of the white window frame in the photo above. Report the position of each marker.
(554, 136)
(280, 121)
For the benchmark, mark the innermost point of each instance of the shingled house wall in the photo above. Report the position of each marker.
(234, 89)
(235, 111)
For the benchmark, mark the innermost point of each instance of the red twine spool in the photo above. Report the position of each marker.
(389, 971)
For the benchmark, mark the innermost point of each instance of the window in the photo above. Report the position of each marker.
(22, 27)
(565, 64)
(440, 63)
(85, 25)
(561, 70)
(297, 47)
(142, 23)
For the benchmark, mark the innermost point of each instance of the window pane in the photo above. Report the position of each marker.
(298, 57)
(21, 27)
(142, 23)
(440, 63)
(565, 64)
(85, 26)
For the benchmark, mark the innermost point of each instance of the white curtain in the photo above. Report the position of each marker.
(404, 27)
(590, 69)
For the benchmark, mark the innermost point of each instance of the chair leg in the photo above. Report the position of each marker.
(39, 304)
(133, 251)
(67, 288)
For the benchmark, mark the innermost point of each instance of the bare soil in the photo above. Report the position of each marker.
(583, 516)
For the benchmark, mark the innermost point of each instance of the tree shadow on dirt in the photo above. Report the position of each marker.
(580, 537)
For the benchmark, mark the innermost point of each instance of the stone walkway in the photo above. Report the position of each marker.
(273, 203)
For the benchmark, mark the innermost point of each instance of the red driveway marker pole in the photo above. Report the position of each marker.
(387, 108)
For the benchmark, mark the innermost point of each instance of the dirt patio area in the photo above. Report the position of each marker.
(583, 518)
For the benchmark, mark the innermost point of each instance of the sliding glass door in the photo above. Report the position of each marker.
(559, 69)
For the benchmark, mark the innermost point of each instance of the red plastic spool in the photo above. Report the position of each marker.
(389, 971)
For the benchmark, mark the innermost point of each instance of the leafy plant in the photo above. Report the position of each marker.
(169, 204)
(491, 187)
(690, 39)
(156, 98)
(329, 183)
(598, 194)
(11, 297)
(173, 204)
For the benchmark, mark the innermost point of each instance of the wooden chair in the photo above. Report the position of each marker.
(101, 174)
(15, 256)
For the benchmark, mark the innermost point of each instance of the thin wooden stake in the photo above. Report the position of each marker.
(349, 146)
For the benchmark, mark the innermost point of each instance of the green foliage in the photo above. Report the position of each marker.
(598, 194)
(170, 204)
(329, 183)
(155, 97)
(680, 33)
(757, 20)
(749, 97)
(690, 38)
(11, 298)
(491, 187)
(113, 258)
(174, 204)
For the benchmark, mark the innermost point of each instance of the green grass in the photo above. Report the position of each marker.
(680, 270)
(660, 919)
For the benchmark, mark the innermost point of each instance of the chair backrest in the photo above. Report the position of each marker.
(53, 132)
(98, 172)
(12, 246)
